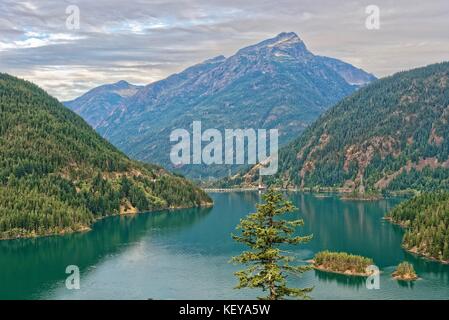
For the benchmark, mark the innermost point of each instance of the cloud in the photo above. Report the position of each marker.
(143, 41)
(35, 40)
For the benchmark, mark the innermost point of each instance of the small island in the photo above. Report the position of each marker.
(405, 272)
(366, 196)
(342, 263)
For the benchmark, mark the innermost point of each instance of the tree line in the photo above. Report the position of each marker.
(57, 174)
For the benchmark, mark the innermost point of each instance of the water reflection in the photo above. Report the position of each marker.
(353, 226)
(30, 266)
(185, 254)
(346, 281)
(406, 284)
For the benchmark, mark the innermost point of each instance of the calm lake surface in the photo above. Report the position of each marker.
(184, 254)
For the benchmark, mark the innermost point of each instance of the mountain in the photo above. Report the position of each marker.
(277, 83)
(390, 135)
(99, 103)
(352, 75)
(58, 175)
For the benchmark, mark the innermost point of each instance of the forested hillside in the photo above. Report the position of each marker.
(426, 219)
(57, 175)
(390, 135)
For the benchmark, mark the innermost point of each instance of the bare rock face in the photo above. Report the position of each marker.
(390, 135)
(100, 102)
(277, 83)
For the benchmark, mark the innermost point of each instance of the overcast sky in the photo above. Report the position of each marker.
(144, 41)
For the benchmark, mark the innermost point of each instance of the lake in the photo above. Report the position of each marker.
(184, 254)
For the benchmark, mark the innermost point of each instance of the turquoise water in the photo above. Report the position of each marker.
(184, 254)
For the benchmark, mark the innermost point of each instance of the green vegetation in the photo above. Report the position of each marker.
(264, 232)
(255, 88)
(426, 219)
(405, 271)
(57, 175)
(342, 262)
(366, 196)
(389, 136)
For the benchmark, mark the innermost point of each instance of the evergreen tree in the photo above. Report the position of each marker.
(58, 175)
(426, 218)
(405, 270)
(264, 232)
(382, 133)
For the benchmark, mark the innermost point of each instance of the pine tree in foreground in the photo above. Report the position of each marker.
(264, 232)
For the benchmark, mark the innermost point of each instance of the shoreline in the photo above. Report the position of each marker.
(228, 190)
(87, 228)
(402, 278)
(413, 251)
(344, 195)
(361, 197)
(424, 256)
(345, 273)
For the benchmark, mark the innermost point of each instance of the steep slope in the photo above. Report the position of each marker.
(100, 102)
(390, 135)
(352, 75)
(58, 175)
(277, 83)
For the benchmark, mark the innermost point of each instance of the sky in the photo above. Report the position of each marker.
(145, 41)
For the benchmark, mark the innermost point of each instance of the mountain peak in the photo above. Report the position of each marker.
(121, 84)
(285, 44)
(276, 83)
(284, 40)
(287, 35)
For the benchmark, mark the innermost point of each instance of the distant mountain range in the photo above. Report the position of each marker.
(391, 135)
(277, 83)
(98, 104)
(58, 175)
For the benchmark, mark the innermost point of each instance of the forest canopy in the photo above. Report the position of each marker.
(426, 220)
(58, 175)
